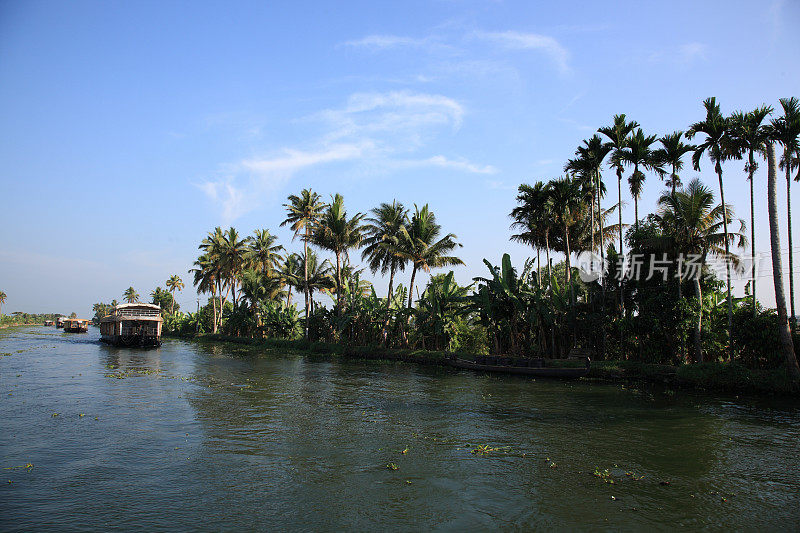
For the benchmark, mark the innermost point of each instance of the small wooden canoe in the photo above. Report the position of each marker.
(532, 370)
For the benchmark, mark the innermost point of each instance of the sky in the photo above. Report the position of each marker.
(128, 130)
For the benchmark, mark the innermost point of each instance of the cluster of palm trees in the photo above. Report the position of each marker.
(391, 236)
(565, 214)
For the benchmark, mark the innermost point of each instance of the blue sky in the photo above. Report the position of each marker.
(130, 129)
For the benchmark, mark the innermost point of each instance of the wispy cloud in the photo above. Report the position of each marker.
(683, 55)
(384, 131)
(383, 42)
(514, 40)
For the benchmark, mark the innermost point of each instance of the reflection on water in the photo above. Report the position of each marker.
(210, 436)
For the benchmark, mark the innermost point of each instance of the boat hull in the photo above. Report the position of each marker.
(542, 372)
(131, 341)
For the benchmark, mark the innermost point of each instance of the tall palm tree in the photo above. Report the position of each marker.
(174, 283)
(302, 213)
(383, 238)
(565, 198)
(671, 153)
(784, 331)
(691, 223)
(533, 217)
(319, 276)
(206, 275)
(423, 247)
(786, 130)
(749, 136)
(212, 246)
(233, 254)
(638, 153)
(130, 295)
(292, 275)
(2, 301)
(618, 134)
(337, 233)
(717, 144)
(263, 253)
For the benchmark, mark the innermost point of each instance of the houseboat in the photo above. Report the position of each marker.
(76, 325)
(134, 324)
(48, 323)
(60, 322)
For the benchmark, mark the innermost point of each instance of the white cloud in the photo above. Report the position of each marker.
(382, 131)
(682, 55)
(531, 41)
(382, 42)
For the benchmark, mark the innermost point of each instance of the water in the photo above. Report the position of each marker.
(215, 437)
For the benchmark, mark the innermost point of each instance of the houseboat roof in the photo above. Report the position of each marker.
(137, 304)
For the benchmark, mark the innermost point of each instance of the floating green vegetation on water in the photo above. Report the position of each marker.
(633, 476)
(405, 451)
(5, 354)
(392, 466)
(81, 415)
(553, 465)
(27, 466)
(408, 482)
(605, 475)
(485, 449)
(55, 415)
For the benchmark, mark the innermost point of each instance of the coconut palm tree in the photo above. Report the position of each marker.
(533, 217)
(206, 275)
(292, 275)
(717, 144)
(618, 134)
(383, 237)
(786, 130)
(423, 247)
(337, 233)
(749, 135)
(262, 252)
(565, 199)
(174, 283)
(784, 331)
(233, 255)
(638, 153)
(319, 276)
(212, 246)
(302, 213)
(2, 301)
(671, 153)
(691, 223)
(130, 295)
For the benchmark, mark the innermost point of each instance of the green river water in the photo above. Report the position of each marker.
(218, 437)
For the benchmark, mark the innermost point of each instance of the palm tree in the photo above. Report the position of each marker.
(717, 144)
(302, 214)
(319, 276)
(262, 252)
(638, 153)
(691, 223)
(618, 134)
(174, 283)
(2, 301)
(749, 135)
(671, 153)
(565, 201)
(212, 246)
(205, 279)
(130, 295)
(786, 130)
(784, 331)
(533, 216)
(233, 255)
(291, 275)
(338, 234)
(422, 246)
(383, 237)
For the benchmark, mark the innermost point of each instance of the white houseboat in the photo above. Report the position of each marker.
(134, 324)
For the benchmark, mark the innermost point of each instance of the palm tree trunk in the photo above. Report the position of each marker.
(385, 328)
(305, 288)
(538, 269)
(621, 255)
(787, 157)
(547, 256)
(338, 284)
(172, 303)
(698, 326)
(568, 273)
(727, 261)
(411, 286)
(602, 268)
(752, 238)
(289, 296)
(785, 333)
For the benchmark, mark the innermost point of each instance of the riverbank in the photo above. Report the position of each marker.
(730, 378)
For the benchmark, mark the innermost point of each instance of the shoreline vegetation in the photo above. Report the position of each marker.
(717, 377)
(640, 297)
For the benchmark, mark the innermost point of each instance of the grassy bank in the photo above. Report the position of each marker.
(730, 378)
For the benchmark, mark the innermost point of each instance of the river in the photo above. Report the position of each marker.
(208, 436)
